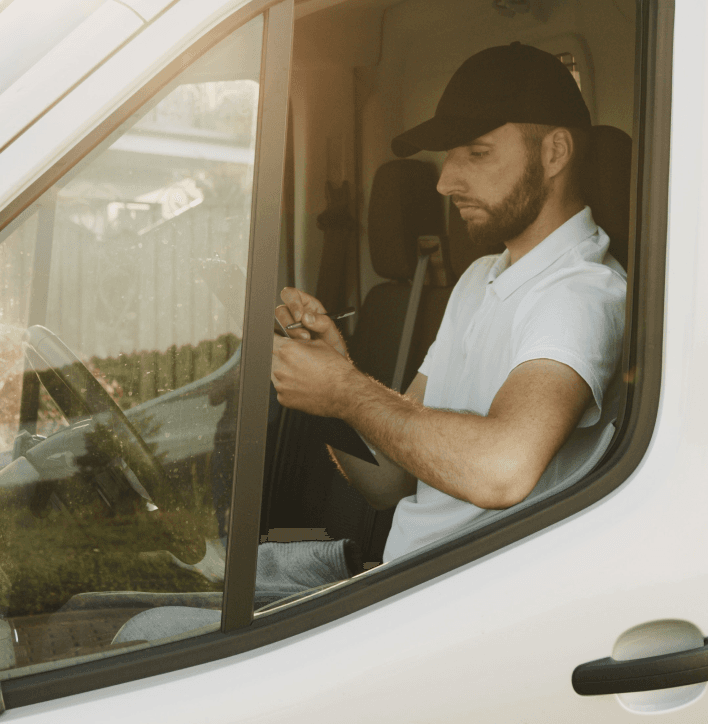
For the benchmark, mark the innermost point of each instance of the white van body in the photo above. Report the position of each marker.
(496, 639)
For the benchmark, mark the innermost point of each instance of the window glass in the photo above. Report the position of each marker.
(119, 369)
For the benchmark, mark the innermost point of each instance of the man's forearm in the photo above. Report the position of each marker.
(492, 461)
(455, 452)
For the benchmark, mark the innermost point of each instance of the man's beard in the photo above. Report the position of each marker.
(514, 214)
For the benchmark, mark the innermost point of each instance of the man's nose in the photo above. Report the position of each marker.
(450, 180)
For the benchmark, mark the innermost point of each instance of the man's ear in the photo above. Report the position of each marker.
(558, 149)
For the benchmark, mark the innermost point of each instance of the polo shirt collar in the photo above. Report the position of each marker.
(506, 279)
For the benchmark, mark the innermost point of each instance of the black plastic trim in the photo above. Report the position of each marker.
(609, 676)
(653, 113)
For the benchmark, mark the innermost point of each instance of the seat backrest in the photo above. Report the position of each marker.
(607, 176)
(404, 205)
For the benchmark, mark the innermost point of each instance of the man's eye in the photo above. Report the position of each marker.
(479, 154)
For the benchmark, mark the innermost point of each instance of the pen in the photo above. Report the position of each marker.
(332, 315)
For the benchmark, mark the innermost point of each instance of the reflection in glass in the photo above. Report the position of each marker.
(119, 370)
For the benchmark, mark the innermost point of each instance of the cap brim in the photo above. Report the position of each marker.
(441, 133)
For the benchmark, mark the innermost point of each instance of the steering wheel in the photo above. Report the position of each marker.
(78, 394)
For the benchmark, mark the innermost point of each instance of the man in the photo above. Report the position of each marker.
(510, 396)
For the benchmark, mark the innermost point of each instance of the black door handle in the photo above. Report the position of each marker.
(608, 676)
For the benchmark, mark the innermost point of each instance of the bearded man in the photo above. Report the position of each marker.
(511, 397)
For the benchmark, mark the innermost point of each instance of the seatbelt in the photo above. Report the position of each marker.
(427, 246)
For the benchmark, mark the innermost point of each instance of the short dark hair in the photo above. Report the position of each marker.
(533, 135)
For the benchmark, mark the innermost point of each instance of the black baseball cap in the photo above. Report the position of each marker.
(506, 84)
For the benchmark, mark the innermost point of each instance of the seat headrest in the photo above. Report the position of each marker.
(404, 205)
(608, 171)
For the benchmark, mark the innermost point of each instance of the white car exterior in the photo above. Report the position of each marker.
(496, 639)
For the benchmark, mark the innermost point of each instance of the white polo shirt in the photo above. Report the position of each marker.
(564, 301)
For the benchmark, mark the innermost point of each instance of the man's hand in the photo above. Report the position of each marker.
(312, 371)
(303, 307)
(492, 462)
(311, 375)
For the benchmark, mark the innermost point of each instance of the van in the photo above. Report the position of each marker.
(166, 168)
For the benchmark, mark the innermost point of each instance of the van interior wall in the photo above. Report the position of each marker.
(424, 42)
(323, 137)
(327, 47)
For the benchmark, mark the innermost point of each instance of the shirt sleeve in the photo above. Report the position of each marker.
(576, 319)
(428, 361)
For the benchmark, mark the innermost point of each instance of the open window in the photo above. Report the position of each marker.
(361, 248)
(123, 298)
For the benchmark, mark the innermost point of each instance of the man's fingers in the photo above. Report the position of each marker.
(319, 323)
(304, 308)
(293, 302)
(299, 302)
(292, 311)
(326, 330)
(285, 317)
(278, 343)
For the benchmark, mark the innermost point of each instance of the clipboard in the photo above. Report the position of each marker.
(341, 436)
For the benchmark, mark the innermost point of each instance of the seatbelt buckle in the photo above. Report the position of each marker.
(437, 272)
(428, 245)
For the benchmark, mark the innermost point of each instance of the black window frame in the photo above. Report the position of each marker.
(642, 354)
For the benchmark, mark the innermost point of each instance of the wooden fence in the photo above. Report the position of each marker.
(150, 304)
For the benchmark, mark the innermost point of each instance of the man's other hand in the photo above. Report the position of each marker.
(311, 375)
(302, 307)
